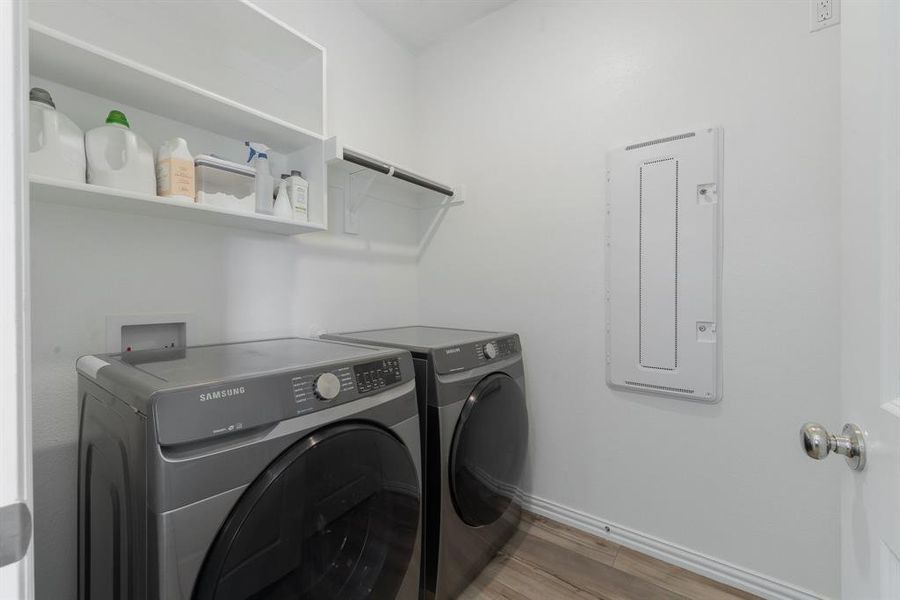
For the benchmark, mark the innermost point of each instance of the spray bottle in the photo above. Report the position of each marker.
(259, 156)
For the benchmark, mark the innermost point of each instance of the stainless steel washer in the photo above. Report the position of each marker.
(275, 469)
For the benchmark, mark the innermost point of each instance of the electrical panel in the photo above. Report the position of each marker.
(663, 266)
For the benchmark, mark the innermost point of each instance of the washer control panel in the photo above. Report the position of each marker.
(238, 405)
(324, 386)
(315, 390)
(376, 375)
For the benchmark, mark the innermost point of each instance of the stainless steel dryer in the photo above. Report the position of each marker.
(471, 388)
(275, 469)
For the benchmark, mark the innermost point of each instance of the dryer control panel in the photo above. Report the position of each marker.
(501, 348)
(469, 356)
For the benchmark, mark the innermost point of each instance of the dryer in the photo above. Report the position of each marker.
(471, 390)
(285, 468)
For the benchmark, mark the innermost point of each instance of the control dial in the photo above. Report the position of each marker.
(328, 386)
(490, 350)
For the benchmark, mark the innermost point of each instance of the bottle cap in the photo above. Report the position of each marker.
(296, 172)
(41, 95)
(257, 151)
(117, 117)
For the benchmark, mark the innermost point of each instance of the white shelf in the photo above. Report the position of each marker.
(59, 57)
(85, 195)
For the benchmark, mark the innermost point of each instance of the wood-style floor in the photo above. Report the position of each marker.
(547, 560)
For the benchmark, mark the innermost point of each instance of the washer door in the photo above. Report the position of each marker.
(488, 450)
(335, 516)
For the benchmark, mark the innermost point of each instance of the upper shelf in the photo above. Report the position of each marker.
(352, 161)
(85, 195)
(59, 57)
(227, 49)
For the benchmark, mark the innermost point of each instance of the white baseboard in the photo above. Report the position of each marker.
(718, 570)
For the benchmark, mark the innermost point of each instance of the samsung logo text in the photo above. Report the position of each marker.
(236, 391)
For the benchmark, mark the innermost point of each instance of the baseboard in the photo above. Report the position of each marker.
(718, 570)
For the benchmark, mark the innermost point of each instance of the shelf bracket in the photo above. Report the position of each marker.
(360, 182)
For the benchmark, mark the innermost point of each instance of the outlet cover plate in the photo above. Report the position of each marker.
(824, 13)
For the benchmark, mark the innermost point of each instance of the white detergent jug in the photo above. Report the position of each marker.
(119, 158)
(55, 143)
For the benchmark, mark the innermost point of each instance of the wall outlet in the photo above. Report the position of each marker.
(824, 13)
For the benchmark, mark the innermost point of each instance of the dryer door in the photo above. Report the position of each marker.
(335, 516)
(488, 450)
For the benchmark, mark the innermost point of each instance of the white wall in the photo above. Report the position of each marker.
(238, 284)
(521, 107)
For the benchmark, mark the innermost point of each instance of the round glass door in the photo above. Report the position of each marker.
(335, 516)
(488, 450)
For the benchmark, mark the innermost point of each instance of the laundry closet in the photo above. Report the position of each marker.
(450, 299)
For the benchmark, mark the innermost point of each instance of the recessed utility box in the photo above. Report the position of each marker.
(129, 333)
(663, 269)
(154, 337)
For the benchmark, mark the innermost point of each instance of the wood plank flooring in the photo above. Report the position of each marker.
(546, 560)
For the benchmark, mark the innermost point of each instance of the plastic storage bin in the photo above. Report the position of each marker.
(224, 184)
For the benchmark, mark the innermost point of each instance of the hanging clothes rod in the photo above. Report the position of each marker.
(365, 161)
(368, 163)
(422, 182)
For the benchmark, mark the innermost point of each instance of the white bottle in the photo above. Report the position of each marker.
(119, 158)
(298, 193)
(175, 170)
(56, 144)
(259, 156)
(283, 208)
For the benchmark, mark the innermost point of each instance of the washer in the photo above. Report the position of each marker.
(273, 469)
(471, 390)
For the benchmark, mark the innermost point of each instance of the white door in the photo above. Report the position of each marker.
(870, 83)
(16, 573)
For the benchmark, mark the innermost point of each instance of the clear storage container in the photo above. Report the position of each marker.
(224, 184)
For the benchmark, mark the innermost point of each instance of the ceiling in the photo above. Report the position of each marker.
(419, 23)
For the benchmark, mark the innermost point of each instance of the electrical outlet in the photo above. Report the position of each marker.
(824, 13)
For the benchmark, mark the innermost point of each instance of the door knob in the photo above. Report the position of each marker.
(818, 443)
